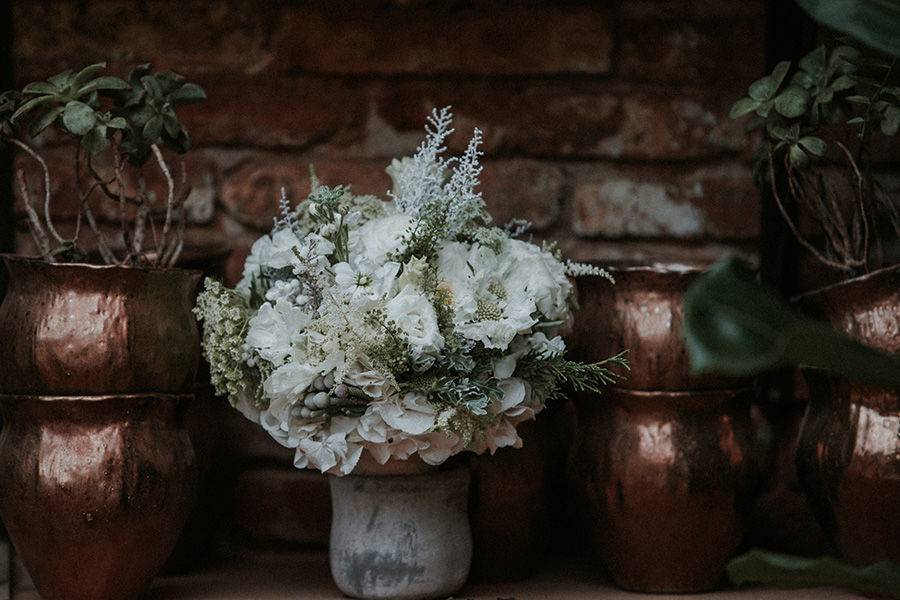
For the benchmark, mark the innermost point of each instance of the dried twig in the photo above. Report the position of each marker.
(34, 222)
(46, 172)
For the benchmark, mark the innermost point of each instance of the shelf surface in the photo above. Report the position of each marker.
(279, 576)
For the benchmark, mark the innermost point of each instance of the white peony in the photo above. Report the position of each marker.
(539, 276)
(415, 316)
(375, 240)
(273, 329)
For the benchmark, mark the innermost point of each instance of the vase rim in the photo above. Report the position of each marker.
(840, 285)
(96, 398)
(21, 258)
(456, 470)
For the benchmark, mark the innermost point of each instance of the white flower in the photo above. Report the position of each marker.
(539, 276)
(371, 381)
(376, 239)
(285, 385)
(415, 316)
(273, 251)
(330, 450)
(272, 330)
(438, 446)
(363, 281)
(412, 415)
(546, 348)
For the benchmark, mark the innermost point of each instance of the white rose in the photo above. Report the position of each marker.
(286, 383)
(415, 316)
(539, 276)
(272, 330)
(274, 251)
(376, 239)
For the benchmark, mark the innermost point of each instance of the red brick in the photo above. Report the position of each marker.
(251, 192)
(189, 36)
(283, 505)
(556, 119)
(700, 52)
(359, 38)
(719, 202)
(273, 112)
(522, 189)
(630, 252)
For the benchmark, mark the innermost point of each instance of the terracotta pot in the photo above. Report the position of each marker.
(400, 536)
(94, 490)
(92, 330)
(644, 314)
(848, 457)
(671, 479)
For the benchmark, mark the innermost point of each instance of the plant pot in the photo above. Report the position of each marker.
(94, 330)
(671, 478)
(94, 490)
(400, 536)
(643, 313)
(848, 456)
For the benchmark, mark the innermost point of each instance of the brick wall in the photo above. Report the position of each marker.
(605, 123)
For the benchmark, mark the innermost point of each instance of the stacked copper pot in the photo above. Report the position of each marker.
(666, 461)
(97, 471)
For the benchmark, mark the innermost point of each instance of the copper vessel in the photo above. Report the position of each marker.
(76, 329)
(94, 490)
(670, 482)
(848, 455)
(643, 313)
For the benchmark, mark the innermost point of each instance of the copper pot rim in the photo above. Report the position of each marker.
(847, 284)
(679, 399)
(21, 258)
(96, 398)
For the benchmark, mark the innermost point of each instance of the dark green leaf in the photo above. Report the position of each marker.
(814, 145)
(736, 327)
(891, 122)
(61, 80)
(152, 86)
(87, 73)
(95, 141)
(172, 125)
(815, 61)
(40, 87)
(105, 83)
(766, 87)
(779, 72)
(117, 123)
(843, 83)
(782, 570)
(856, 121)
(79, 118)
(31, 105)
(743, 107)
(778, 132)
(189, 92)
(45, 120)
(791, 103)
(858, 100)
(873, 22)
(825, 96)
(798, 157)
(153, 129)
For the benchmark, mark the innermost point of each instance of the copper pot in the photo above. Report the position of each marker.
(643, 313)
(670, 481)
(94, 489)
(848, 456)
(76, 329)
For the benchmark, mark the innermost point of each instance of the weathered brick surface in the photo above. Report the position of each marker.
(697, 52)
(523, 189)
(574, 119)
(719, 202)
(362, 38)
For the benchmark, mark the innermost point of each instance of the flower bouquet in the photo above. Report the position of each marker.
(371, 331)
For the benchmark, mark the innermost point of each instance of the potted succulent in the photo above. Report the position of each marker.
(818, 122)
(102, 355)
(379, 339)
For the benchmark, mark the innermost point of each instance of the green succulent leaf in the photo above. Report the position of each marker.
(792, 102)
(815, 145)
(61, 80)
(742, 107)
(843, 83)
(117, 123)
(87, 73)
(891, 122)
(766, 87)
(153, 129)
(152, 86)
(105, 83)
(40, 88)
(859, 100)
(95, 141)
(45, 120)
(189, 92)
(815, 61)
(79, 118)
(798, 157)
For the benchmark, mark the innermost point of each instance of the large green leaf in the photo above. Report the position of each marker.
(873, 22)
(735, 326)
(79, 118)
(782, 570)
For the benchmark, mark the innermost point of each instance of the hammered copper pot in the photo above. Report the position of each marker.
(643, 313)
(94, 490)
(77, 329)
(848, 456)
(670, 481)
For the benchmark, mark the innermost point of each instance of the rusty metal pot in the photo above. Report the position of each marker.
(670, 481)
(643, 313)
(848, 456)
(76, 329)
(94, 490)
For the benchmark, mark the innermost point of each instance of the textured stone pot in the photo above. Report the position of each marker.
(848, 456)
(94, 490)
(91, 330)
(401, 536)
(671, 478)
(643, 313)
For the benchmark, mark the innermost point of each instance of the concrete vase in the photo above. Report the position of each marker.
(402, 537)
